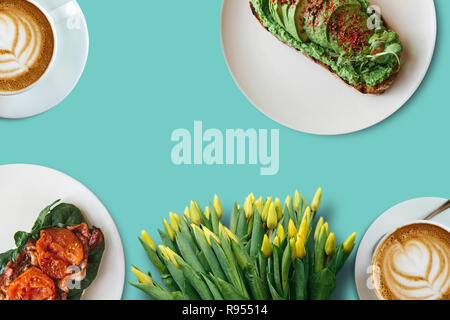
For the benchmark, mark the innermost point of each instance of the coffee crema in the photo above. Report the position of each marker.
(26, 44)
(413, 264)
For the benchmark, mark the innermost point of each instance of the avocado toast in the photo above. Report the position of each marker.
(347, 37)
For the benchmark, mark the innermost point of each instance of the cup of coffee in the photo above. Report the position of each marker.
(27, 45)
(413, 263)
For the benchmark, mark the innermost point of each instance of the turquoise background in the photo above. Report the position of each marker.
(156, 66)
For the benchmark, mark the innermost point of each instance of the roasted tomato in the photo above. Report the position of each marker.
(58, 249)
(33, 284)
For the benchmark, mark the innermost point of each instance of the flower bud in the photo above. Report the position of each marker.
(318, 228)
(142, 277)
(350, 243)
(266, 247)
(330, 245)
(272, 219)
(281, 233)
(169, 230)
(297, 199)
(300, 249)
(146, 238)
(292, 230)
(278, 208)
(196, 216)
(315, 204)
(218, 206)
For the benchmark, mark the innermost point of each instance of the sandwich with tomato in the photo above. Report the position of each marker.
(57, 260)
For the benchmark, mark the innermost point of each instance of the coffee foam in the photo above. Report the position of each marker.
(414, 264)
(26, 44)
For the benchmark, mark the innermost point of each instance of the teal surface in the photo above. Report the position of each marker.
(156, 66)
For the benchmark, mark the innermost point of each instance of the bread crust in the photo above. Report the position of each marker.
(363, 88)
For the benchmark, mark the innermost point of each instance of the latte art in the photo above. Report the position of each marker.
(414, 263)
(26, 44)
(20, 42)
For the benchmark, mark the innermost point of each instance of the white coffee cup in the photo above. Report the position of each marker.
(375, 274)
(65, 10)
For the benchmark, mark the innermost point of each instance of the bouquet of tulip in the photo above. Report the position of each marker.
(268, 252)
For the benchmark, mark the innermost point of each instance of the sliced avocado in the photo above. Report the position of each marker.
(300, 19)
(290, 16)
(311, 14)
(345, 16)
(296, 20)
(275, 10)
(285, 15)
(319, 15)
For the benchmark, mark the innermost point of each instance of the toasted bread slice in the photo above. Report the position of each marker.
(363, 88)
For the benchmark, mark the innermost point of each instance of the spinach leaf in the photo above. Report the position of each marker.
(21, 238)
(43, 218)
(6, 257)
(65, 215)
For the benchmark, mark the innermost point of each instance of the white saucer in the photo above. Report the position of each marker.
(70, 60)
(297, 93)
(26, 189)
(401, 214)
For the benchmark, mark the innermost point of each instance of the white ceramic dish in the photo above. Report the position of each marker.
(26, 189)
(401, 214)
(292, 90)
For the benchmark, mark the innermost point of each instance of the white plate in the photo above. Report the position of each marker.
(397, 216)
(70, 60)
(26, 189)
(292, 90)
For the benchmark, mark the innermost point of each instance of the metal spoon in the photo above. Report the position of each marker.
(434, 213)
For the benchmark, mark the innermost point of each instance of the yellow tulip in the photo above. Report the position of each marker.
(266, 247)
(292, 230)
(146, 238)
(207, 212)
(248, 208)
(300, 249)
(187, 213)
(318, 228)
(265, 213)
(231, 234)
(196, 216)
(307, 214)
(293, 250)
(169, 230)
(330, 245)
(164, 252)
(251, 197)
(209, 234)
(325, 226)
(278, 208)
(350, 243)
(174, 221)
(218, 206)
(303, 231)
(315, 204)
(197, 230)
(297, 199)
(281, 234)
(142, 277)
(172, 258)
(259, 205)
(288, 201)
(272, 219)
(276, 241)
